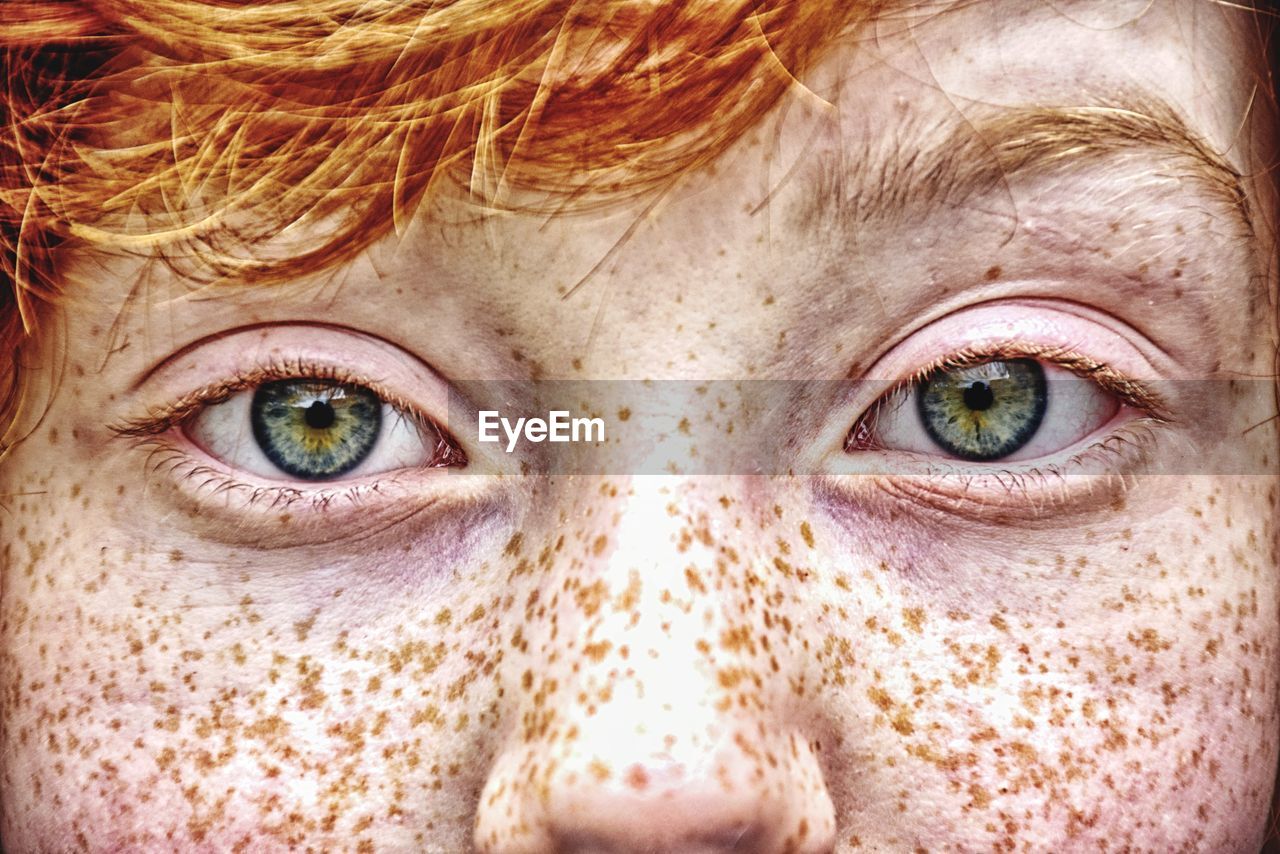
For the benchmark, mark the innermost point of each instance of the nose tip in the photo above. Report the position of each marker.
(747, 837)
(746, 798)
(657, 808)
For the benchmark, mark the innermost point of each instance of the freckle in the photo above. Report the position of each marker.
(806, 533)
(914, 618)
(637, 778)
(302, 628)
(598, 651)
(993, 273)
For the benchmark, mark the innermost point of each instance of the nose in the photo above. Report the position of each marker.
(662, 719)
(749, 792)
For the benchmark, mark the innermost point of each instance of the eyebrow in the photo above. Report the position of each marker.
(978, 156)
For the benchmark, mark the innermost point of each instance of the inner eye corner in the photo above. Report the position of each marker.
(862, 435)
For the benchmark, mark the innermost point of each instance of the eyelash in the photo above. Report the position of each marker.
(150, 430)
(1135, 434)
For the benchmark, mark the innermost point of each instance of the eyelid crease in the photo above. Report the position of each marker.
(861, 436)
(286, 326)
(166, 418)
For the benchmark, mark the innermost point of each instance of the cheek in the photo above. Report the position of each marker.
(1137, 669)
(141, 708)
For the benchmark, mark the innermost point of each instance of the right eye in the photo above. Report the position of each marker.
(313, 429)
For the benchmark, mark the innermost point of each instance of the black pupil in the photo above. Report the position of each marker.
(320, 415)
(978, 397)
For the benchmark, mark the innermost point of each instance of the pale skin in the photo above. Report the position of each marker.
(689, 662)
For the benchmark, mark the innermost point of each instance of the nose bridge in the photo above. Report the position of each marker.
(663, 600)
(655, 719)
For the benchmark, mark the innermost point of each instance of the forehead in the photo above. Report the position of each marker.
(916, 117)
(986, 116)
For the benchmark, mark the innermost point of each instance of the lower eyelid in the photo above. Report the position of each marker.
(1132, 432)
(1086, 479)
(219, 505)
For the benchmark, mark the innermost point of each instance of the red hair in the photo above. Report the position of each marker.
(200, 131)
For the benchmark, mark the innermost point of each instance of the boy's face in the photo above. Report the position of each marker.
(706, 659)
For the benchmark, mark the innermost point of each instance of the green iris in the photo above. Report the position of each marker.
(984, 412)
(315, 429)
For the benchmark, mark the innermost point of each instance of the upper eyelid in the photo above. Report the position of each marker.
(1053, 322)
(276, 330)
(170, 415)
(165, 418)
(1134, 392)
(401, 375)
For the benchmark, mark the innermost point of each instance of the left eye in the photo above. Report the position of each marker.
(316, 430)
(1002, 409)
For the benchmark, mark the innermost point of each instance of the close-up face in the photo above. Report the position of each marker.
(932, 505)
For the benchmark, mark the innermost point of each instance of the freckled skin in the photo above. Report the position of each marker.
(680, 662)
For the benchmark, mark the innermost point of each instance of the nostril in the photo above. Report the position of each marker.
(714, 788)
(720, 799)
(743, 838)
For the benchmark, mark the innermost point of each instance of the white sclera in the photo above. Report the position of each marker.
(224, 431)
(1075, 409)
